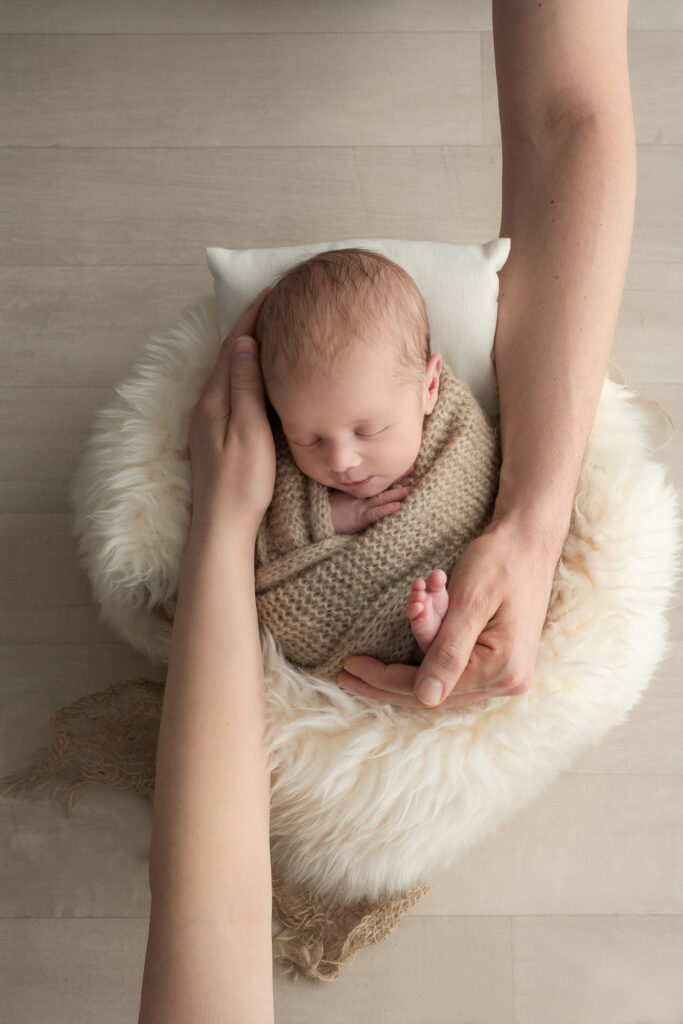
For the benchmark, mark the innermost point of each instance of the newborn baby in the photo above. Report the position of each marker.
(352, 383)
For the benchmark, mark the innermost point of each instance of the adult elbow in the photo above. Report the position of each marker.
(612, 118)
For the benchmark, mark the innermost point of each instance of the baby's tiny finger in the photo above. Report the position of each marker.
(380, 511)
(395, 492)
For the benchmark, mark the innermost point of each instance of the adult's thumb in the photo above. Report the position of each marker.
(245, 346)
(447, 658)
(245, 374)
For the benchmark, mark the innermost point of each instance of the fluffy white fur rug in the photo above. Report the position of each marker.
(369, 799)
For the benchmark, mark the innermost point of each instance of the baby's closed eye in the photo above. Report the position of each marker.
(311, 444)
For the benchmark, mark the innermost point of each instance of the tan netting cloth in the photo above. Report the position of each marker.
(111, 737)
(324, 597)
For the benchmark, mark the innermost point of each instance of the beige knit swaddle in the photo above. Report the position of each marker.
(326, 596)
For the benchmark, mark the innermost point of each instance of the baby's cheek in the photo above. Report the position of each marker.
(301, 462)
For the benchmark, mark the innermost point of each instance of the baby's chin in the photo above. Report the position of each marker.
(376, 485)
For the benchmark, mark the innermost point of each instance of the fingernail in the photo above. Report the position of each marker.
(245, 347)
(430, 691)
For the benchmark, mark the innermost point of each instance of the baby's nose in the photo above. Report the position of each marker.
(339, 463)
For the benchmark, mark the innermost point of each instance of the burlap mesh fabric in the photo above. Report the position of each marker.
(111, 737)
(324, 597)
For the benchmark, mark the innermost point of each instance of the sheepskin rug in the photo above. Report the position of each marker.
(370, 799)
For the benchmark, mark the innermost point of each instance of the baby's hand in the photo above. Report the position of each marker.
(351, 515)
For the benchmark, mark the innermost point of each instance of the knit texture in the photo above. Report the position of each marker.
(327, 596)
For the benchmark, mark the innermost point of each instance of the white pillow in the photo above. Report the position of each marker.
(458, 282)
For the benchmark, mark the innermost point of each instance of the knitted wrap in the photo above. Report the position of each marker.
(327, 596)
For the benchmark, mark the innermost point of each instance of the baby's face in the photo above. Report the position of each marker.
(352, 423)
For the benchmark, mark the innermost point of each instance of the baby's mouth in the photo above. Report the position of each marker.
(356, 483)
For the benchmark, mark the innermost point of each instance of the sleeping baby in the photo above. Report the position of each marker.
(386, 464)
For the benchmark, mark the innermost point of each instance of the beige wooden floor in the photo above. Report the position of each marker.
(132, 135)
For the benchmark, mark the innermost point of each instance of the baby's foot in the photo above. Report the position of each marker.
(427, 605)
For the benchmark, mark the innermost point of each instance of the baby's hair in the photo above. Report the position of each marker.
(298, 326)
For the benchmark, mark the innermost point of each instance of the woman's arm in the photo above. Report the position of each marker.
(209, 950)
(569, 181)
(569, 185)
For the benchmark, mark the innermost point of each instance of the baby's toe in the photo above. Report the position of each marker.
(414, 610)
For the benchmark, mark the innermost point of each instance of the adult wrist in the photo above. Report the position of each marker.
(234, 536)
(546, 526)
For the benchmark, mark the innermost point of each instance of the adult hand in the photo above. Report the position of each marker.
(487, 645)
(232, 450)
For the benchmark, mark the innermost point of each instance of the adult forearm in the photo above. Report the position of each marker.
(210, 837)
(568, 207)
